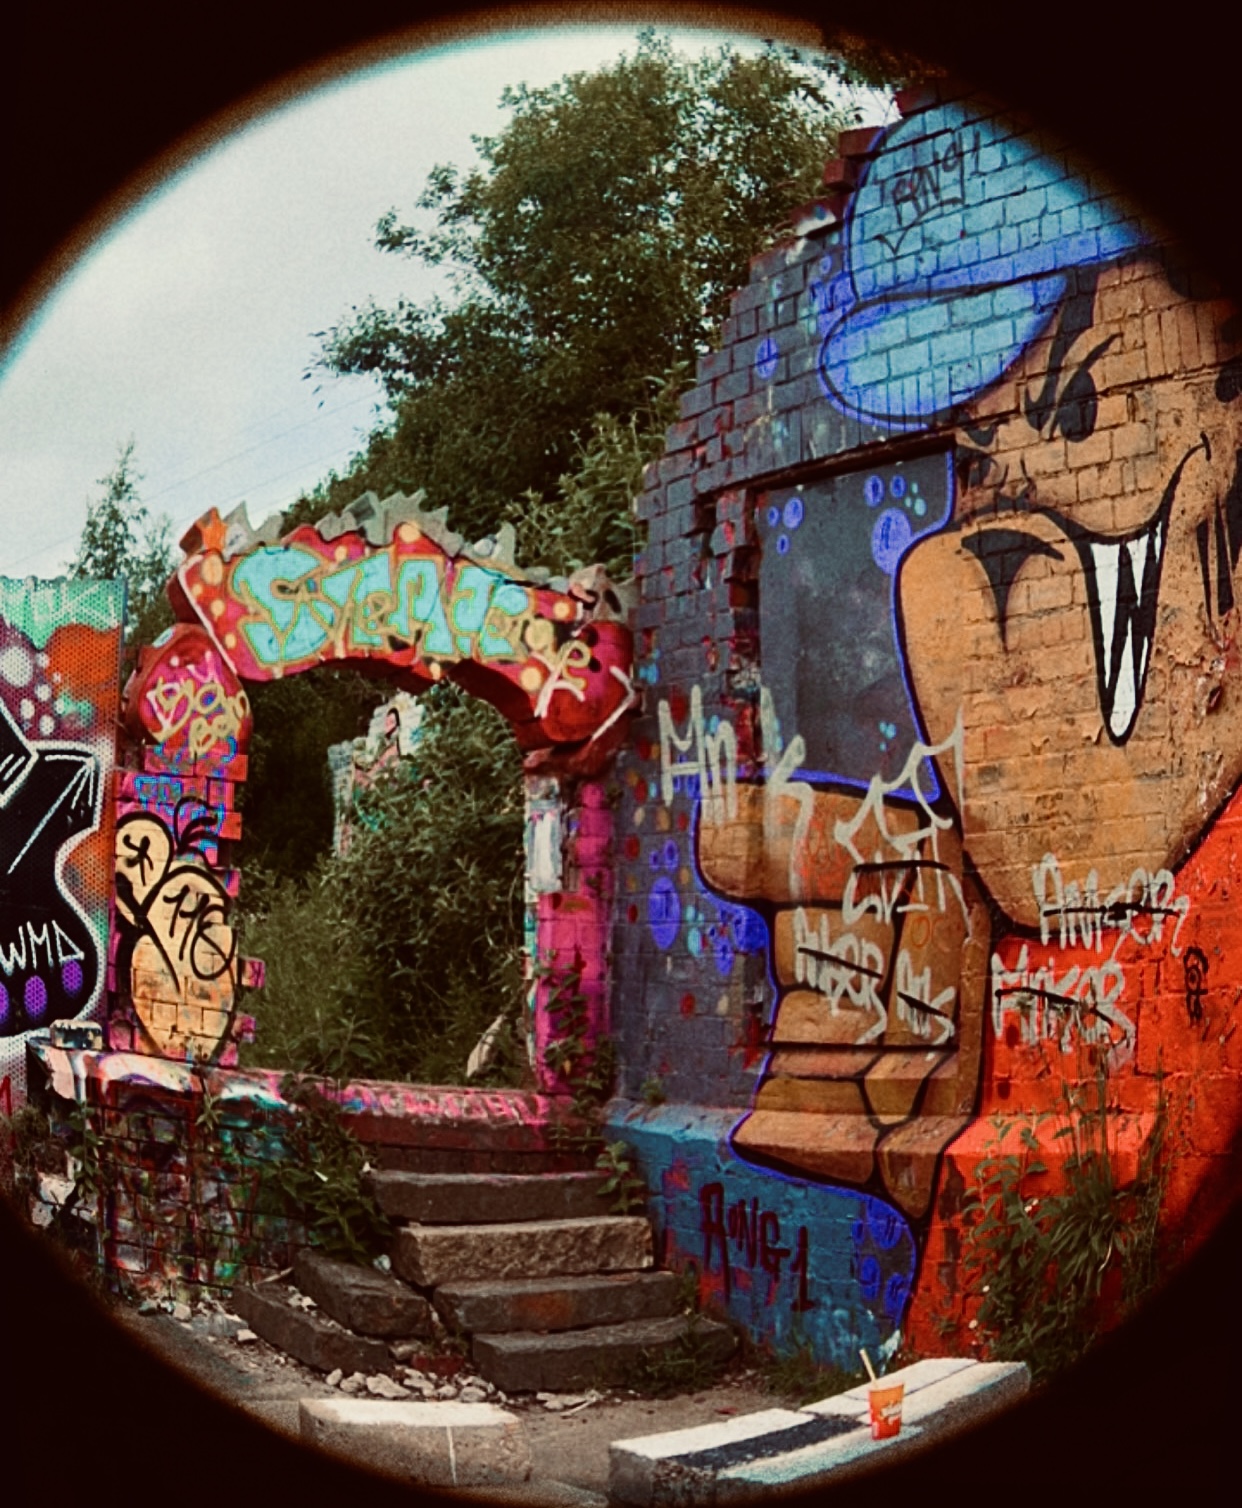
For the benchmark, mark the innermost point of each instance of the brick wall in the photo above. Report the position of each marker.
(928, 814)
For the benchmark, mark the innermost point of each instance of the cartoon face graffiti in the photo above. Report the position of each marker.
(1079, 615)
(880, 952)
(1066, 639)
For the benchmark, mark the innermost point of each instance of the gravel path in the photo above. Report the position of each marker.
(569, 1434)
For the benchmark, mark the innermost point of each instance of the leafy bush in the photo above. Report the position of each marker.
(325, 1178)
(321, 1010)
(395, 957)
(1041, 1260)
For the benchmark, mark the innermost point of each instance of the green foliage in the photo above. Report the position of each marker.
(324, 1178)
(861, 62)
(798, 1377)
(89, 1160)
(590, 520)
(684, 1365)
(319, 1010)
(596, 243)
(624, 1182)
(434, 882)
(652, 1091)
(1042, 1260)
(588, 1068)
(287, 797)
(32, 1145)
(391, 960)
(121, 540)
(26, 1150)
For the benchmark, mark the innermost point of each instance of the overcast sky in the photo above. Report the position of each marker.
(190, 324)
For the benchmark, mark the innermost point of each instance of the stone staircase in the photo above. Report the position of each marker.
(554, 1293)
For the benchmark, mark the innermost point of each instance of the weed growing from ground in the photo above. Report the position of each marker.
(798, 1377)
(1040, 1262)
(624, 1183)
(324, 1178)
(685, 1365)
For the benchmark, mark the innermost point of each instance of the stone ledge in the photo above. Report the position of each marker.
(560, 1303)
(482, 1198)
(429, 1255)
(434, 1444)
(306, 1337)
(809, 1447)
(360, 1298)
(601, 1356)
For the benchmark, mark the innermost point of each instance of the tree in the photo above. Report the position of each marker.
(591, 251)
(591, 255)
(120, 540)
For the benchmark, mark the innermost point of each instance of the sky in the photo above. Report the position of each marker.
(189, 327)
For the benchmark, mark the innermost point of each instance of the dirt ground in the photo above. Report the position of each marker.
(569, 1446)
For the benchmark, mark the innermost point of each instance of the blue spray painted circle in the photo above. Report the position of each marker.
(890, 539)
(663, 912)
(671, 855)
(885, 1225)
(873, 491)
(896, 1292)
(71, 976)
(35, 999)
(723, 950)
(750, 931)
(782, 545)
(869, 1278)
(766, 357)
(4, 1006)
(774, 516)
(897, 486)
(793, 512)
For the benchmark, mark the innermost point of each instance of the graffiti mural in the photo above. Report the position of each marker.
(393, 735)
(389, 583)
(60, 646)
(957, 713)
(174, 952)
(178, 950)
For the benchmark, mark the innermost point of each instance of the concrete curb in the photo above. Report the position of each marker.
(434, 1444)
(796, 1449)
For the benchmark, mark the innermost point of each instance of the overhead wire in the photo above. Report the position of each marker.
(335, 452)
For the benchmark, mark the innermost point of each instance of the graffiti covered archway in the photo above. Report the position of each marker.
(390, 590)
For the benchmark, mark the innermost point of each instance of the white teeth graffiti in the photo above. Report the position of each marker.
(1123, 585)
(1123, 588)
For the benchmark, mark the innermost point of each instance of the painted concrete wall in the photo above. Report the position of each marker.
(189, 1137)
(930, 810)
(60, 651)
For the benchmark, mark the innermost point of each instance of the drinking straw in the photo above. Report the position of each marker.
(869, 1367)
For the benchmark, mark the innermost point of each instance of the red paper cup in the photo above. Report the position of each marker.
(886, 1409)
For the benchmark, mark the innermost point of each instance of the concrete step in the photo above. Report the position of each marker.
(481, 1160)
(318, 1342)
(433, 1444)
(602, 1356)
(557, 1303)
(360, 1298)
(430, 1255)
(483, 1198)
